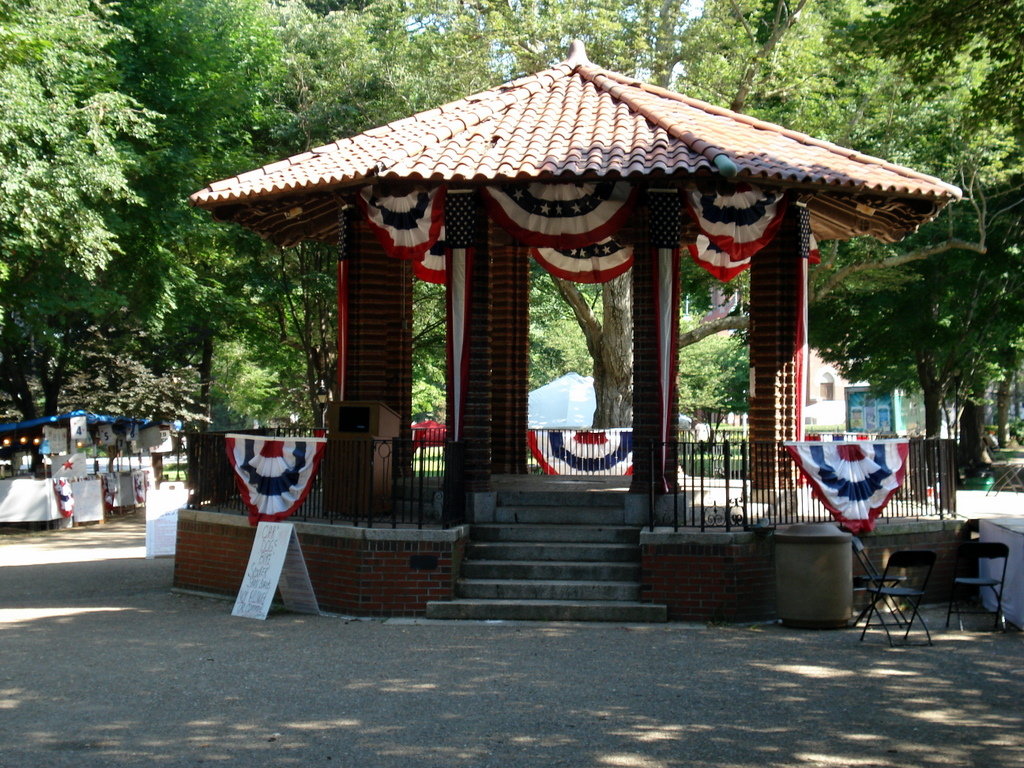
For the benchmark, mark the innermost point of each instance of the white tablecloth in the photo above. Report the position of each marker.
(1010, 531)
(25, 499)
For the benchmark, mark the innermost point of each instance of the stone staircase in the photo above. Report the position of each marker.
(552, 557)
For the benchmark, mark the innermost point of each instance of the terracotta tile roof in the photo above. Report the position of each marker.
(578, 120)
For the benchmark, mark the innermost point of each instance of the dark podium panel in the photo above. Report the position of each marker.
(359, 459)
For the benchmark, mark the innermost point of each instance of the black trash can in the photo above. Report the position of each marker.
(814, 576)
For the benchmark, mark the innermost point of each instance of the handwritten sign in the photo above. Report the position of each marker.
(275, 560)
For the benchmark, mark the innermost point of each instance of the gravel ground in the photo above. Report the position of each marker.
(103, 665)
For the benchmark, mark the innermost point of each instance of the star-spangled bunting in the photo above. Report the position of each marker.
(597, 263)
(430, 269)
(406, 225)
(738, 220)
(579, 452)
(854, 481)
(273, 475)
(565, 216)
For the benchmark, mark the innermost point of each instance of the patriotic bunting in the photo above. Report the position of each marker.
(597, 263)
(344, 233)
(139, 486)
(561, 215)
(273, 475)
(592, 452)
(406, 225)
(715, 261)
(65, 498)
(430, 269)
(739, 222)
(853, 480)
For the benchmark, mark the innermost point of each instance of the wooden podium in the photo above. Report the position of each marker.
(359, 458)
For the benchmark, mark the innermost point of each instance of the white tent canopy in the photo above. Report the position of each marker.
(568, 401)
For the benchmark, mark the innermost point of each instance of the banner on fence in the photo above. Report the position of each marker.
(853, 480)
(274, 475)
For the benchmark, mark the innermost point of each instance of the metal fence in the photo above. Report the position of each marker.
(744, 484)
(360, 482)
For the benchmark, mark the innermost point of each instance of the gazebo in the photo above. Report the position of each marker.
(592, 173)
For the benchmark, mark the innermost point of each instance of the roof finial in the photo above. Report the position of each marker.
(577, 54)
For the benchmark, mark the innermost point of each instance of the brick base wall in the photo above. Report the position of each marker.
(731, 576)
(356, 571)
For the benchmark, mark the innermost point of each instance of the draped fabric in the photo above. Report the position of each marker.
(806, 245)
(273, 475)
(854, 480)
(65, 497)
(715, 261)
(597, 263)
(406, 225)
(460, 227)
(74, 466)
(139, 486)
(430, 269)
(571, 215)
(735, 223)
(665, 230)
(576, 452)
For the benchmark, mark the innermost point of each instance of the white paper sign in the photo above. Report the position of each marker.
(276, 558)
(162, 507)
(79, 431)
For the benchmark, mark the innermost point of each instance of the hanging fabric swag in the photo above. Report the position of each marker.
(735, 224)
(406, 225)
(597, 263)
(430, 269)
(562, 216)
(853, 480)
(273, 475)
(571, 452)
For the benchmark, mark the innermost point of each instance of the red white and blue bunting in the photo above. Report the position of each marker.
(65, 498)
(597, 263)
(561, 215)
(273, 475)
(579, 452)
(430, 269)
(739, 221)
(715, 261)
(406, 225)
(854, 480)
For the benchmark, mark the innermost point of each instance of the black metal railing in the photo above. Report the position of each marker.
(750, 484)
(370, 483)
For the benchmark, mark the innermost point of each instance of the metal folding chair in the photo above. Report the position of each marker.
(870, 577)
(914, 567)
(967, 574)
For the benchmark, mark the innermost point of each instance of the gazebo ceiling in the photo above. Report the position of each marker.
(579, 122)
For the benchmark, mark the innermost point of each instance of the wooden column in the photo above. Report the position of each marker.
(380, 327)
(510, 353)
(775, 275)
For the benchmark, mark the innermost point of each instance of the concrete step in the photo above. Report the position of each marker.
(548, 610)
(503, 589)
(608, 534)
(586, 552)
(562, 498)
(558, 570)
(560, 514)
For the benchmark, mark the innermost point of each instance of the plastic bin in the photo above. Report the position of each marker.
(814, 576)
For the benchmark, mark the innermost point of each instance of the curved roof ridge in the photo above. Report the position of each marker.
(753, 122)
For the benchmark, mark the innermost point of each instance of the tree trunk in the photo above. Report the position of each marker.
(933, 391)
(205, 380)
(613, 365)
(971, 450)
(1005, 389)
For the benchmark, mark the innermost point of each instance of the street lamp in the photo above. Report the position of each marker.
(322, 398)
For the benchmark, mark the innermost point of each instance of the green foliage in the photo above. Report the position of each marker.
(713, 376)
